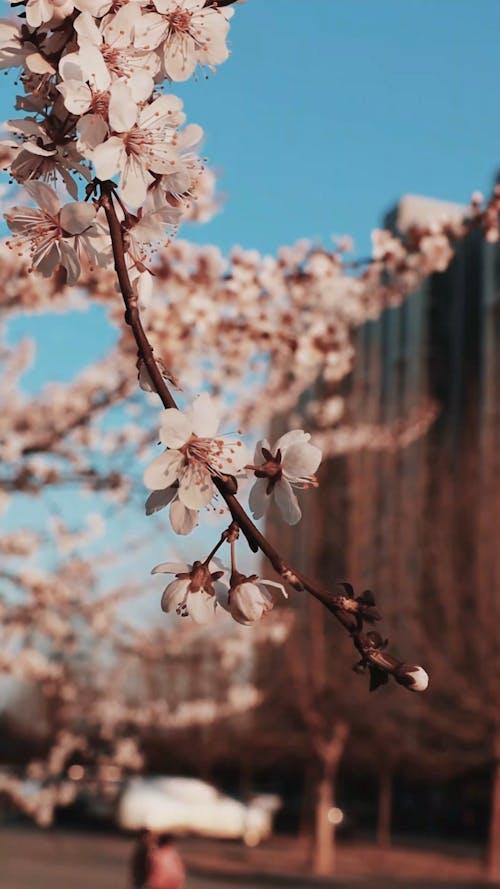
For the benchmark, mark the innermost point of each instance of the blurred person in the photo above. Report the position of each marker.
(140, 860)
(166, 870)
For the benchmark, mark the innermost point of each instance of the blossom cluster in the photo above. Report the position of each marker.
(195, 454)
(200, 587)
(94, 111)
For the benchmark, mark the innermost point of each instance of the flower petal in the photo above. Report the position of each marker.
(258, 457)
(205, 415)
(258, 499)
(87, 29)
(76, 217)
(292, 437)
(191, 137)
(164, 111)
(248, 602)
(182, 519)
(274, 583)
(179, 62)
(122, 113)
(158, 499)
(70, 261)
(171, 568)
(287, 502)
(175, 428)
(301, 460)
(174, 594)
(196, 488)
(201, 607)
(141, 85)
(134, 180)
(163, 471)
(107, 158)
(45, 197)
(92, 131)
(77, 96)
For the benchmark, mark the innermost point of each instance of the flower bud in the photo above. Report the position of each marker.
(412, 677)
(249, 602)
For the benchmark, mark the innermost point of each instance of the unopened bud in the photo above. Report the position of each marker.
(412, 677)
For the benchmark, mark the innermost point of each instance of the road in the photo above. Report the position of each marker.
(51, 860)
(59, 860)
(33, 859)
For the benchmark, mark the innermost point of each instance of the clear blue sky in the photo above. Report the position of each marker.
(326, 112)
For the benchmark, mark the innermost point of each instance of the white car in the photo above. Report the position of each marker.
(191, 806)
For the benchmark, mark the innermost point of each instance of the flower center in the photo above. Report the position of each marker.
(100, 104)
(270, 469)
(136, 141)
(214, 453)
(115, 60)
(180, 20)
(39, 235)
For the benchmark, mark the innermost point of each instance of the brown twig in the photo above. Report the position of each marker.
(132, 316)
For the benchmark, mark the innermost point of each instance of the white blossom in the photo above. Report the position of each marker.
(143, 142)
(194, 452)
(186, 33)
(16, 51)
(40, 11)
(249, 598)
(292, 463)
(37, 156)
(193, 592)
(53, 235)
(106, 53)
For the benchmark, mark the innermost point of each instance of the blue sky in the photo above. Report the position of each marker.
(326, 112)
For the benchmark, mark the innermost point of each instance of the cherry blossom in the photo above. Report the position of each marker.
(38, 156)
(290, 464)
(16, 51)
(194, 453)
(106, 53)
(187, 33)
(181, 186)
(146, 231)
(53, 235)
(193, 592)
(39, 12)
(249, 598)
(143, 142)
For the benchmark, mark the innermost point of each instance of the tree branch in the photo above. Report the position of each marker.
(347, 614)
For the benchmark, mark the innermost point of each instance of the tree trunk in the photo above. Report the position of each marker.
(324, 832)
(324, 847)
(384, 814)
(308, 807)
(494, 827)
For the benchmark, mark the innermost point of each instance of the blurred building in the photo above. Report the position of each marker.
(408, 519)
